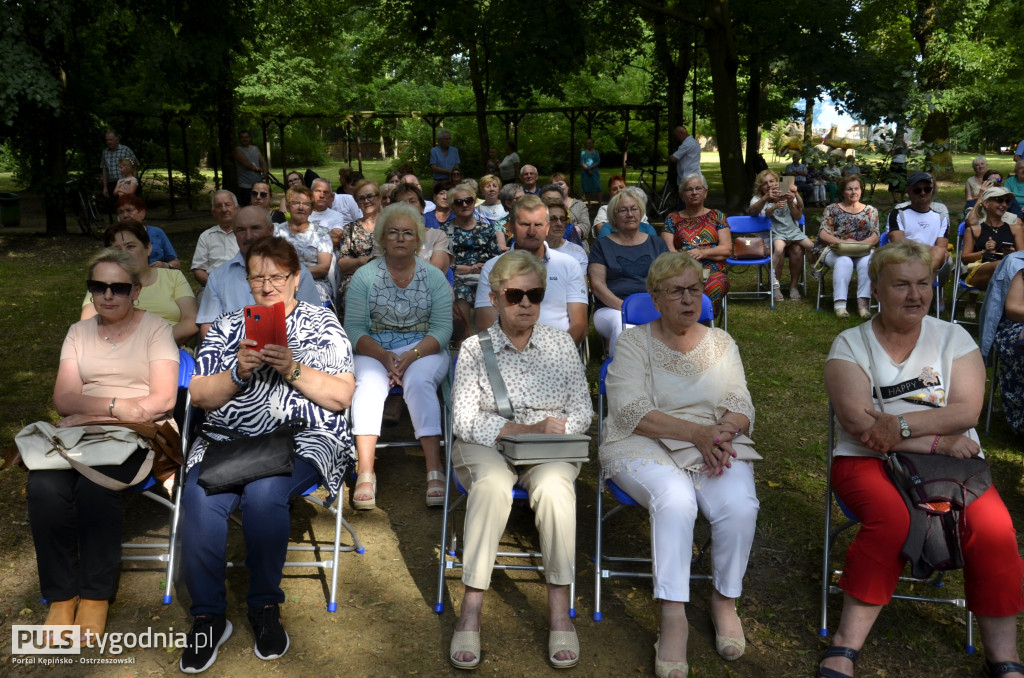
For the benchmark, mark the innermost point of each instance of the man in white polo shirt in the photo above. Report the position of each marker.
(565, 301)
(924, 222)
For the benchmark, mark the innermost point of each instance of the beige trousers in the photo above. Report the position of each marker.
(489, 479)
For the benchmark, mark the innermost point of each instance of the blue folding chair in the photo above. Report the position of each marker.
(750, 226)
(832, 533)
(602, 561)
(638, 309)
(962, 288)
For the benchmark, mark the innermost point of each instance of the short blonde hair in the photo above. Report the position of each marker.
(669, 265)
(613, 205)
(902, 252)
(762, 176)
(516, 262)
(490, 179)
(398, 210)
(112, 255)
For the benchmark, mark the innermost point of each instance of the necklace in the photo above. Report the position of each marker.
(113, 340)
(399, 281)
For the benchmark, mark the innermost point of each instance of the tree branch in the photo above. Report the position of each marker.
(671, 14)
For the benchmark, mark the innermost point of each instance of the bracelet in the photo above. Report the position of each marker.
(417, 352)
(110, 407)
(935, 444)
(239, 382)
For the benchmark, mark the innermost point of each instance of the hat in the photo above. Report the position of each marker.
(918, 177)
(994, 192)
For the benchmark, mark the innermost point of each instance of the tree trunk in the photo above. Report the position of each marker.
(936, 131)
(756, 90)
(226, 123)
(723, 63)
(675, 69)
(480, 99)
(53, 182)
(809, 98)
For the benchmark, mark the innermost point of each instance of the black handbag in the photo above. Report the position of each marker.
(231, 463)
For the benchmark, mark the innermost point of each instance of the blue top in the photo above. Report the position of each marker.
(995, 298)
(430, 219)
(626, 266)
(163, 250)
(447, 161)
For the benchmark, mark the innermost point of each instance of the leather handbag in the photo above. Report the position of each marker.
(528, 448)
(749, 247)
(233, 460)
(851, 249)
(45, 447)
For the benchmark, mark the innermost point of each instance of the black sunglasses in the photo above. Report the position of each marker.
(462, 202)
(260, 194)
(922, 190)
(515, 296)
(1002, 200)
(98, 288)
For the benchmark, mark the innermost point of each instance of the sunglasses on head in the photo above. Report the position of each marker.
(98, 288)
(260, 194)
(462, 202)
(515, 296)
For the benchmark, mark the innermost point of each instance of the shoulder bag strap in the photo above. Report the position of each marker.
(865, 330)
(102, 479)
(650, 366)
(501, 398)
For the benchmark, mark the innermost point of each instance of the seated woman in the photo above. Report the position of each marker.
(848, 221)
(121, 364)
(165, 292)
(473, 243)
(558, 218)
(357, 247)
(787, 235)
(162, 254)
(491, 209)
(436, 249)
(254, 392)
(312, 242)
(579, 215)
(398, 313)
(972, 188)
(619, 264)
(991, 233)
(547, 388)
(1003, 332)
(703, 233)
(677, 379)
(442, 212)
(935, 415)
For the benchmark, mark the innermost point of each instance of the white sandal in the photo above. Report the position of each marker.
(365, 504)
(563, 640)
(465, 641)
(435, 499)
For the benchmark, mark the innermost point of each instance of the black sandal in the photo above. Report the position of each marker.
(1002, 668)
(836, 651)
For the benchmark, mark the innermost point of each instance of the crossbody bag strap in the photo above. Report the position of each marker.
(650, 367)
(501, 398)
(102, 479)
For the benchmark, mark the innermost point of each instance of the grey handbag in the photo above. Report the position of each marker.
(529, 448)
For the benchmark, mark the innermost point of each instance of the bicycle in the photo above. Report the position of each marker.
(661, 202)
(84, 205)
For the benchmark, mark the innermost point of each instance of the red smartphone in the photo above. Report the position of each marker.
(265, 324)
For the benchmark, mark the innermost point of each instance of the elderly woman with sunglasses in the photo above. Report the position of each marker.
(676, 379)
(357, 247)
(120, 364)
(398, 314)
(473, 242)
(547, 388)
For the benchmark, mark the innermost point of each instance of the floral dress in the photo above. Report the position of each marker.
(846, 226)
(690, 233)
(355, 242)
(470, 247)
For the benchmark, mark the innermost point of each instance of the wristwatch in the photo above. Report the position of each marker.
(297, 372)
(904, 428)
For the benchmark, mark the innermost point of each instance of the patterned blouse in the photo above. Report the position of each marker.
(474, 246)
(846, 226)
(689, 233)
(545, 379)
(355, 242)
(316, 339)
(309, 243)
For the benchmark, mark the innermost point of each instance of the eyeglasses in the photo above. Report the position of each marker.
(515, 296)
(296, 204)
(98, 288)
(463, 202)
(698, 189)
(395, 234)
(369, 197)
(922, 190)
(628, 210)
(1002, 200)
(677, 293)
(560, 220)
(260, 194)
(257, 282)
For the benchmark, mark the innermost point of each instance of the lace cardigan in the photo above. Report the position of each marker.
(699, 386)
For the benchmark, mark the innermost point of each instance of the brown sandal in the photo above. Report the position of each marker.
(92, 617)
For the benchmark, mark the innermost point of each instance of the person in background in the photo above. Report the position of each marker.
(357, 245)
(528, 176)
(493, 165)
(785, 212)
(1015, 184)
(590, 177)
(579, 215)
(556, 192)
(128, 184)
(444, 158)
(163, 254)
(436, 248)
(832, 176)
(919, 221)
(687, 156)
(616, 183)
(491, 209)
(250, 166)
(848, 221)
(850, 168)
(990, 234)
(216, 244)
(508, 195)
(442, 212)
(972, 188)
(558, 217)
(473, 243)
(110, 170)
(509, 165)
(311, 241)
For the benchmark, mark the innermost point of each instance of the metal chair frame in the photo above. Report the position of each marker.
(961, 286)
(742, 225)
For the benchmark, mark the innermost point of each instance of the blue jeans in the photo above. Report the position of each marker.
(265, 528)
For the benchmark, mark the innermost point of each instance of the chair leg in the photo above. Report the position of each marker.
(172, 542)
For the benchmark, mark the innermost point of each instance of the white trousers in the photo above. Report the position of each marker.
(842, 272)
(608, 323)
(729, 502)
(489, 479)
(419, 388)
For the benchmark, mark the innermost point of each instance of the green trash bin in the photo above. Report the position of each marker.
(10, 209)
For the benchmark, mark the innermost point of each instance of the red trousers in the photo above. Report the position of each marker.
(993, 569)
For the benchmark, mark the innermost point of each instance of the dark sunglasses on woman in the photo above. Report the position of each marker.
(515, 296)
(98, 288)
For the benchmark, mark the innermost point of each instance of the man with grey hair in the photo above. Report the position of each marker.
(228, 287)
(528, 176)
(322, 215)
(687, 156)
(216, 244)
(444, 157)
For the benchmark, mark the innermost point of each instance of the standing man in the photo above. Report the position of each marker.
(216, 244)
(565, 301)
(923, 221)
(687, 156)
(250, 166)
(109, 167)
(528, 177)
(444, 157)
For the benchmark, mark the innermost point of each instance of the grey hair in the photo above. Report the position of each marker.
(508, 192)
(443, 131)
(553, 187)
(629, 192)
(690, 177)
(322, 180)
(213, 198)
(399, 210)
